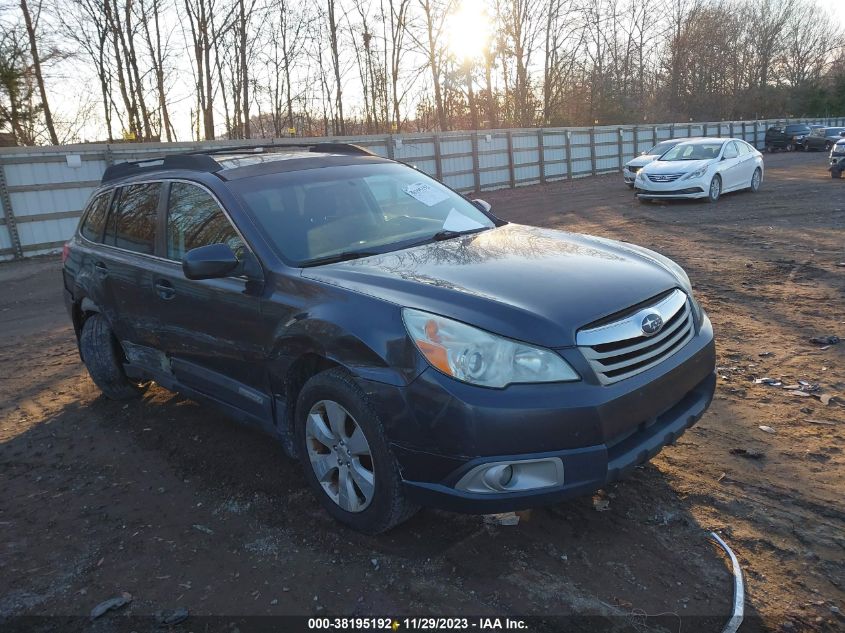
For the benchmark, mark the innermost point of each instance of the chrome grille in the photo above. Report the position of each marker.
(663, 177)
(620, 349)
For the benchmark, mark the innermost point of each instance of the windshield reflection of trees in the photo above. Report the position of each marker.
(512, 240)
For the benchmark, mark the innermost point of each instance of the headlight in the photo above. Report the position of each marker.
(640, 175)
(480, 358)
(698, 173)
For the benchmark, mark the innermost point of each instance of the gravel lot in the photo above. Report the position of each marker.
(180, 507)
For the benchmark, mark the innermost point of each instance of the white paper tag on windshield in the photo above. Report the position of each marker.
(426, 194)
(457, 221)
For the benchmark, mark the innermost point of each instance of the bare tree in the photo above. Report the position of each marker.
(31, 23)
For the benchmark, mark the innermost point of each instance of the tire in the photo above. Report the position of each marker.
(770, 149)
(805, 147)
(715, 189)
(756, 179)
(835, 173)
(103, 358)
(827, 146)
(790, 147)
(334, 391)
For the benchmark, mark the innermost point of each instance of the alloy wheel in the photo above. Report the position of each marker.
(755, 180)
(715, 189)
(340, 456)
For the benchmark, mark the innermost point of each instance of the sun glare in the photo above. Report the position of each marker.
(469, 30)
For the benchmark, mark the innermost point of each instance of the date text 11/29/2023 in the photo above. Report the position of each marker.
(417, 624)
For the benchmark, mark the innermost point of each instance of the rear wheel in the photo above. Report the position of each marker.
(756, 179)
(103, 358)
(827, 146)
(715, 189)
(790, 147)
(345, 454)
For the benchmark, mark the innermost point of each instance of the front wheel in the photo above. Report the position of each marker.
(345, 455)
(756, 179)
(715, 189)
(790, 147)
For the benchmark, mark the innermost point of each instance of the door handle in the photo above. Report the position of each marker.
(101, 269)
(165, 289)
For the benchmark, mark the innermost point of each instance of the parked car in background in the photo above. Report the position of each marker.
(408, 346)
(836, 164)
(704, 168)
(629, 171)
(789, 137)
(823, 138)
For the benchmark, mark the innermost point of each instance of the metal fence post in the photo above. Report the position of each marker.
(476, 175)
(511, 174)
(671, 130)
(438, 164)
(689, 130)
(744, 137)
(756, 134)
(11, 224)
(731, 129)
(390, 146)
(541, 154)
(636, 140)
(593, 151)
(620, 146)
(568, 143)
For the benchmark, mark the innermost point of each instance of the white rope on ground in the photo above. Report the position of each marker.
(739, 589)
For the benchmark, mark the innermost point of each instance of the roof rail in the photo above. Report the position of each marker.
(202, 160)
(191, 162)
(327, 147)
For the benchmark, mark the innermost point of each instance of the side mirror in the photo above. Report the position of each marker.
(483, 205)
(842, 134)
(209, 262)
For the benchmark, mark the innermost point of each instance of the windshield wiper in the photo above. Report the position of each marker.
(446, 234)
(338, 257)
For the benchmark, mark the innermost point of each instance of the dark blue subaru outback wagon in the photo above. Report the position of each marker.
(409, 347)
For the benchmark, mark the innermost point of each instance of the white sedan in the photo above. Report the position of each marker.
(703, 168)
(629, 171)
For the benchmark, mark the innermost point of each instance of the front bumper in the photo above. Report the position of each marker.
(678, 189)
(440, 429)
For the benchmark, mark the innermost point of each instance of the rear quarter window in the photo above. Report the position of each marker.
(94, 220)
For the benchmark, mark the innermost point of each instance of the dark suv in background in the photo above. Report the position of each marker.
(789, 137)
(409, 347)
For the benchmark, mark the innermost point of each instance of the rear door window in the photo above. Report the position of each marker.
(195, 219)
(95, 220)
(134, 218)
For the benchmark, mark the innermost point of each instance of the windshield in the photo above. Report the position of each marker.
(312, 215)
(797, 129)
(662, 147)
(693, 151)
(834, 131)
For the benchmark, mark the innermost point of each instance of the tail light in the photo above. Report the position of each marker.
(65, 252)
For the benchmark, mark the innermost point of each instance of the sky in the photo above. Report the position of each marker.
(836, 7)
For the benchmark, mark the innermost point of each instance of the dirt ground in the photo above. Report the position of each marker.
(180, 507)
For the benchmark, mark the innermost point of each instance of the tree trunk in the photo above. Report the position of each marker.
(39, 77)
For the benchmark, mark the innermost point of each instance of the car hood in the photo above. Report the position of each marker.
(527, 283)
(642, 160)
(676, 166)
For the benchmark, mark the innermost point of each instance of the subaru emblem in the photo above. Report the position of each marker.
(651, 324)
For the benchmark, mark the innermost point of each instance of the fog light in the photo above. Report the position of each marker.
(513, 476)
(498, 476)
